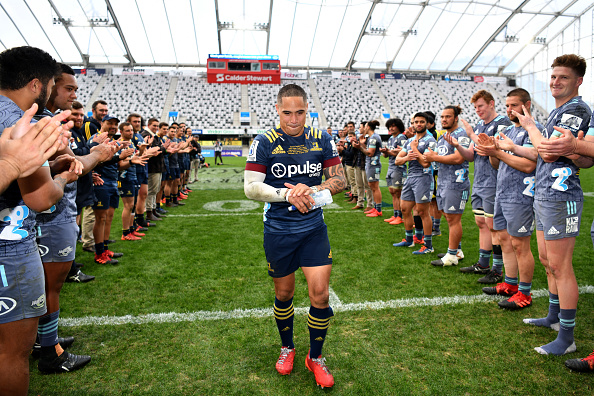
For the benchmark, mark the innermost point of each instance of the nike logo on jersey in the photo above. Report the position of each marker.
(552, 231)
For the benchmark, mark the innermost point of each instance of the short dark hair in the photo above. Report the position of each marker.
(457, 109)
(123, 124)
(151, 120)
(174, 123)
(397, 122)
(133, 115)
(98, 102)
(351, 123)
(574, 62)
(77, 105)
(21, 65)
(520, 93)
(421, 114)
(162, 124)
(291, 90)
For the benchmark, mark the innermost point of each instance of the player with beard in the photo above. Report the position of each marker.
(416, 192)
(452, 183)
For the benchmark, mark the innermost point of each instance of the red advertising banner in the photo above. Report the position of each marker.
(243, 78)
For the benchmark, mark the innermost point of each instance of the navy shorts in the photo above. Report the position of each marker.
(286, 253)
(395, 177)
(127, 189)
(373, 173)
(22, 287)
(173, 174)
(418, 189)
(451, 201)
(57, 243)
(106, 197)
(142, 175)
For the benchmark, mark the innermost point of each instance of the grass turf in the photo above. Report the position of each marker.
(204, 259)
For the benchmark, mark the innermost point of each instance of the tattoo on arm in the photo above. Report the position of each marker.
(335, 179)
(60, 182)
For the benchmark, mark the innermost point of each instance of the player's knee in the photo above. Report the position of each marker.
(319, 296)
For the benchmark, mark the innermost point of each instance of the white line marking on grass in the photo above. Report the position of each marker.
(334, 300)
(173, 317)
(327, 211)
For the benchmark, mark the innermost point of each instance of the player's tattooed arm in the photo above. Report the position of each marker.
(335, 179)
(255, 188)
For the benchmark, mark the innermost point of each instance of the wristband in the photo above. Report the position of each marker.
(288, 194)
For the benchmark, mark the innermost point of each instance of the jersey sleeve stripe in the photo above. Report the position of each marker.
(331, 162)
(250, 166)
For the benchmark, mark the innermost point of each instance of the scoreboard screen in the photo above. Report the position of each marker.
(243, 69)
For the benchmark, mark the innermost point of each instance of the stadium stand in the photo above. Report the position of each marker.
(263, 96)
(139, 94)
(206, 105)
(344, 100)
(86, 87)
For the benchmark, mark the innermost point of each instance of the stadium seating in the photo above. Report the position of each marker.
(86, 87)
(135, 94)
(348, 100)
(263, 98)
(206, 105)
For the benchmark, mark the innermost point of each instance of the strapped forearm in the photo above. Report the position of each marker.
(255, 188)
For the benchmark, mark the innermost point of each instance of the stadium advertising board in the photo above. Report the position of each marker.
(131, 71)
(418, 76)
(243, 69)
(293, 76)
(449, 77)
(388, 76)
(351, 75)
(218, 131)
(89, 72)
(224, 153)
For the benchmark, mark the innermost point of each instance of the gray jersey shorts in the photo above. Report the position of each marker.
(517, 219)
(452, 201)
(558, 219)
(483, 201)
(22, 287)
(418, 189)
(57, 243)
(395, 177)
(373, 173)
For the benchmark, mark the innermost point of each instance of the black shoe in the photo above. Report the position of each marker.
(149, 224)
(585, 365)
(89, 249)
(475, 269)
(64, 363)
(162, 211)
(78, 265)
(64, 343)
(79, 277)
(491, 277)
(110, 241)
(141, 229)
(180, 203)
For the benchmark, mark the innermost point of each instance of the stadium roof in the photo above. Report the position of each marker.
(486, 37)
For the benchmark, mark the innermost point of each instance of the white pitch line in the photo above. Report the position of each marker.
(326, 211)
(174, 317)
(334, 300)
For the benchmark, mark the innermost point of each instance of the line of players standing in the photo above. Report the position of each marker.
(518, 187)
(41, 208)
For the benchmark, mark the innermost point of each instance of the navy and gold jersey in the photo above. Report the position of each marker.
(129, 175)
(514, 186)
(453, 176)
(17, 221)
(484, 174)
(108, 170)
(559, 180)
(287, 159)
(414, 167)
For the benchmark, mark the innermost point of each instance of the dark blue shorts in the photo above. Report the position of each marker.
(106, 197)
(173, 174)
(127, 189)
(285, 253)
(142, 175)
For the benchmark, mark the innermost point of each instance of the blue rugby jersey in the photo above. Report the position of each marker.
(393, 142)
(374, 141)
(559, 180)
(287, 159)
(415, 169)
(484, 174)
(64, 211)
(453, 177)
(108, 170)
(17, 221)
(515, 186)
(129, 175)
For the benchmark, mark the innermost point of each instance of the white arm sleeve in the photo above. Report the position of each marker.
(255, 188)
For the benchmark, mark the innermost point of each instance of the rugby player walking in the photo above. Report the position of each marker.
(284, 168)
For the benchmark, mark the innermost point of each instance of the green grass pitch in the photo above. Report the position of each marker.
(188, 311)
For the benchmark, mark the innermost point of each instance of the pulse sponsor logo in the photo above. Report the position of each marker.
(310, 169)
(7, 304)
